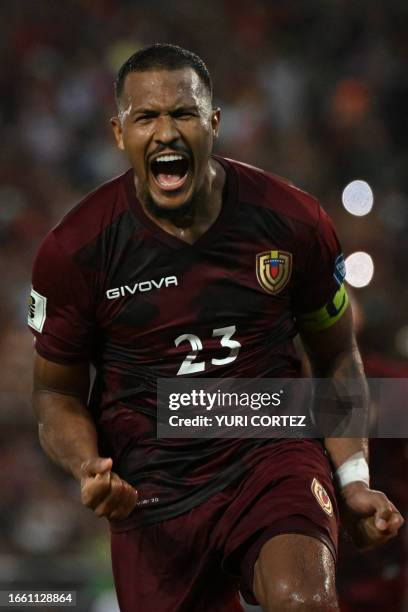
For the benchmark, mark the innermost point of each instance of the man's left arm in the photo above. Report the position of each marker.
(370, 517)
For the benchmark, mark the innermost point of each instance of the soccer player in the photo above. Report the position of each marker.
(190, 264)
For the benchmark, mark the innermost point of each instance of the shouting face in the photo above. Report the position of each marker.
(166, 126)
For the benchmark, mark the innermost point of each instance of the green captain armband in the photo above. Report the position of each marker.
(328, 315)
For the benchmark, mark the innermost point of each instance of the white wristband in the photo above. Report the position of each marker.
(352, 470)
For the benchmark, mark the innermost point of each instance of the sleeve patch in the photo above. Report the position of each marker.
(326, 316)
(37, 310)
(339, 269)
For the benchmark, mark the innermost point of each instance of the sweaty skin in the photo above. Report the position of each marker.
(170, 112)
(303, 574)
(197, 91)
(123, 113)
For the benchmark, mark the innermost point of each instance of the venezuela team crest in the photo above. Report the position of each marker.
(323, 499)
(273, 270)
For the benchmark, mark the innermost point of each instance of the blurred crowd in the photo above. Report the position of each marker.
(314, 91)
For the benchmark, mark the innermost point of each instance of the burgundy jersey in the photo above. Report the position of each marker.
(112, 288)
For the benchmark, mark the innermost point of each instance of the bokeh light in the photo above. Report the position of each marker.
(359, 269)
(358, 198)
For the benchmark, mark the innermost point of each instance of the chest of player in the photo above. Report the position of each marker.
(213, 297)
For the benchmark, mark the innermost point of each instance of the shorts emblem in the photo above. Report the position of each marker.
(273, 270)
(321, 495)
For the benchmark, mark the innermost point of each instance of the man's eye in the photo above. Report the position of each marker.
(184, 114)
(143, 119)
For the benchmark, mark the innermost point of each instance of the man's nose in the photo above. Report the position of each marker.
(166, 130)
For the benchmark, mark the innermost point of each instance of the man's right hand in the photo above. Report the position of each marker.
(104, 492)
(369, 516)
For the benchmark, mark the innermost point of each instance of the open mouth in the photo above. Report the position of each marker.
(170, 171)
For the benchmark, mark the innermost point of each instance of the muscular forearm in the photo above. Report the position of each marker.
(68, 436)
(368, 515)
(347, 371)
(66, 431)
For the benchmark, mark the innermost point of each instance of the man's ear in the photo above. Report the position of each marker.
(117, 130)
(215, 121)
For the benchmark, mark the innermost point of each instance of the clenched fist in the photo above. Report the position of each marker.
(104, 492)
(369, 516)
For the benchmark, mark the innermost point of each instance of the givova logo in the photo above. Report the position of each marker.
(143, 287)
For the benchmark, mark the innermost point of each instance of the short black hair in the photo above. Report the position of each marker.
(162, 56)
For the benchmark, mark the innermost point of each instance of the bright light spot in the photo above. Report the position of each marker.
(358, 198)
(401, 341)
(359, 269)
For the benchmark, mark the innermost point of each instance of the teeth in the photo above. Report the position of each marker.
(168, 158)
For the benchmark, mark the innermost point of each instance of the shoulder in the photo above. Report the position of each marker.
(91, 216)
(263, 189)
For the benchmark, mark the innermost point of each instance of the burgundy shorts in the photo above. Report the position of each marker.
(198, 561)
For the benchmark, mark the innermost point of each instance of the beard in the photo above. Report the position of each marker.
(172, 215)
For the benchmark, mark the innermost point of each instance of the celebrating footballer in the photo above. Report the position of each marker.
(193, 265)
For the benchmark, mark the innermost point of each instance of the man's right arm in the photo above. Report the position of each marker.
(68, 436)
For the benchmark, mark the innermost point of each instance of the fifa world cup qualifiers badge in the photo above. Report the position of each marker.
(273, 270)
(339, 269)
(37, 309)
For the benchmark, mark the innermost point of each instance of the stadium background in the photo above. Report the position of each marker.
(315, 91)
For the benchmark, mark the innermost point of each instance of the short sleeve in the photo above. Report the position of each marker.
(320, 297)
(60, 313)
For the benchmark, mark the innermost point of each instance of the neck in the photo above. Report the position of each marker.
(192, 221)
